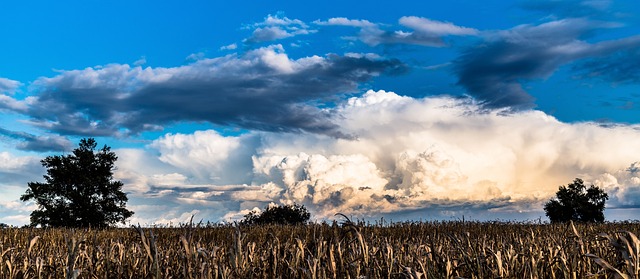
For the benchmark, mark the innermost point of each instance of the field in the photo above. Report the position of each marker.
(337, 250)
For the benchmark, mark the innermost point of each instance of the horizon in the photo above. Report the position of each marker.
(415, 111)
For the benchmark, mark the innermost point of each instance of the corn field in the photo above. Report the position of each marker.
(329, 250)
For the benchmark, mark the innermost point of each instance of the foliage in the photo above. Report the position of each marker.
(576, 202)
(79, 190)
(293, 214)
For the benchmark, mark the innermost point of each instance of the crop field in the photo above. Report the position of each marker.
(336, 250)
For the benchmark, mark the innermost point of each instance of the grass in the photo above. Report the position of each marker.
(338, 250)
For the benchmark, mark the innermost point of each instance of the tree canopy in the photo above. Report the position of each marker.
(79, 190)
(293, 214)
(576, 202)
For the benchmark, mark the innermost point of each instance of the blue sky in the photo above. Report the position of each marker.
(415, 110)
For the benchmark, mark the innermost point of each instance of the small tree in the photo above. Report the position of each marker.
(576, 202)
(294, 214)
(79, 190)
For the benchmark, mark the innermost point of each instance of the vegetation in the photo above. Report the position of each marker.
(348, 250)
(576, 202)
(293, 214)
(79, 190)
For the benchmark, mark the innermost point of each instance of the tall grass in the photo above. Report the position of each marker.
(338, 250)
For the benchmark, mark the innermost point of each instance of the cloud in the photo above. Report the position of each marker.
(425, 32)
(262, 89)
(569, 8)
(16, 172)
(429, 27)
(229, 47)
(8, 86)
(42, 143)
(277, 27)
(343, 21)
(618, 68)
(209, 156)
(494, 70)
(623, 186)
(414, 158)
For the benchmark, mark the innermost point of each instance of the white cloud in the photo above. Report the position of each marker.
(433, 27)
(229, 47)
(207, 156)
(141, 61)
(343, 21)
(425, 32)
(277, 27)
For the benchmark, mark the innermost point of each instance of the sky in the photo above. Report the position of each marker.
(402, 110)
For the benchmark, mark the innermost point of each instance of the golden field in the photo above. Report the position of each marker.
(455, 249)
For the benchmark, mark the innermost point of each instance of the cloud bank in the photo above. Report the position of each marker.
(428, 157)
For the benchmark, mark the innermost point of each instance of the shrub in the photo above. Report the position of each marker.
(293, 214)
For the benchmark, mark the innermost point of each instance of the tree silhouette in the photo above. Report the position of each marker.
(294, 214)
(576, 202)
(79, 190)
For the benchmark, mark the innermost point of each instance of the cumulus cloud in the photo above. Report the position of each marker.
(623, 186)
(424, 31)
(494, 70)
(275, 27)
(414, 157)
(262, 89)
(209, 156)
(417, 153)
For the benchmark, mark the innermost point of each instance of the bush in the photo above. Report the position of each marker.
(293, 214)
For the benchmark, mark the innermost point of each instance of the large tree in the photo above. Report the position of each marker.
(79, 190)
(576, 202)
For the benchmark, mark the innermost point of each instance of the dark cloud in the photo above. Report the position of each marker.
(494, 70)
(31, 142)
(262, 89)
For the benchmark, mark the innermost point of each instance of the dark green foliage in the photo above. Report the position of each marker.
(294, 214)
(79, 190)
(576, 202)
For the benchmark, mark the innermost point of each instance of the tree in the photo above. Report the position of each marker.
(293, 214)
(576, 202)
(79, 190)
